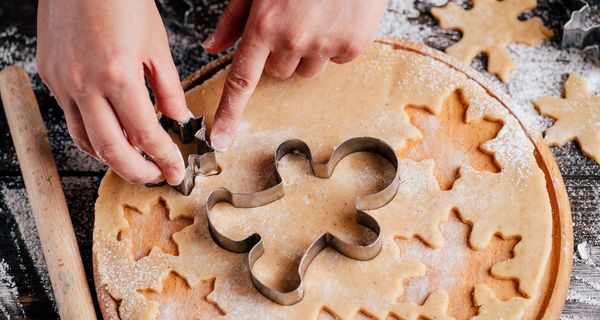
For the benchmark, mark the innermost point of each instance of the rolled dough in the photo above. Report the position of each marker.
(368, 97)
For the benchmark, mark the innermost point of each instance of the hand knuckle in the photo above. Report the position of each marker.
(116, 74)
(143, 138)
(238, 82)
(264, 25)
(293, 42)
(107, 152)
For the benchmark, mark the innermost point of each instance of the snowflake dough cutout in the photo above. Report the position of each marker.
(577, 117)
(488, 28)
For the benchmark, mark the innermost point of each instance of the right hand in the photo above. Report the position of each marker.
(94, 56)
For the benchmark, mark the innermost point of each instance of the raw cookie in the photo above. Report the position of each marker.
(488, 28)
(577, 117)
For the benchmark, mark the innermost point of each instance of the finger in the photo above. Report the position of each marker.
(107, 138)
(243, 76)
(74, 121)
(166, 86)
(310, 67)
(281, 65)
(77, 129)
(347, 54)
(134, 110)
(230, 27)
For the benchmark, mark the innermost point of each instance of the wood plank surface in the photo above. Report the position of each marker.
(23, 290)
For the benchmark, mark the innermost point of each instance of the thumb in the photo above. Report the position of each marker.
(164, 80)
(230, 27)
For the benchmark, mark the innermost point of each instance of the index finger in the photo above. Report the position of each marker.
(244, 74)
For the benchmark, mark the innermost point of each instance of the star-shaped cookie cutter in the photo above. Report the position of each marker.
(203, 161)
(253, 244)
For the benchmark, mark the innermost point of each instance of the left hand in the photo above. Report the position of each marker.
(283, 37)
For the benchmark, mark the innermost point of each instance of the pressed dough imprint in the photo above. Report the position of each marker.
(577, 117)
(455, 151)
(488, 28)
(384, 79)
(154, 230)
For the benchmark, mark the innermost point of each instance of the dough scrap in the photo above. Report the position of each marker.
(435, 307)
(490, 306)
(384, 79)
(488, 28)
(577, 117)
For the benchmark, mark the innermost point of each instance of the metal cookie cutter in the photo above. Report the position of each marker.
(581, 31)
(254, 244)
(202, 162)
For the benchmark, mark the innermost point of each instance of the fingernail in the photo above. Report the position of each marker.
(209, 42)
(219, 141)
(180, 155)
(158, 180)
(174, 176)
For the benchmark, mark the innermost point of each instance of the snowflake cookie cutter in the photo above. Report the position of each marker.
(203, 161)
(253, 244)
(577, 33)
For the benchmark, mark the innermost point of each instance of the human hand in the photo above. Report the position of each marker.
(94, 55)
(283, 36)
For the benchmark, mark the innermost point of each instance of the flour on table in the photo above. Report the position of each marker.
(21, 210)
(9, 294)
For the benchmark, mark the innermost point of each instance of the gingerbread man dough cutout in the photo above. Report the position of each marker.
(577, 117)
(488, 28)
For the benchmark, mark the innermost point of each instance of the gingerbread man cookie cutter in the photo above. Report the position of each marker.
(254, 245)
(204, 162)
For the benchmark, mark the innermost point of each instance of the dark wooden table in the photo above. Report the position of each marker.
(24, 287)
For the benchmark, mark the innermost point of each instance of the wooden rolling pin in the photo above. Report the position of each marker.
(46, 196)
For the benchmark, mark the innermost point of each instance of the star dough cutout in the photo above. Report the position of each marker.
(152, 230)
(577, 117)
(488, 28)
(177, 295)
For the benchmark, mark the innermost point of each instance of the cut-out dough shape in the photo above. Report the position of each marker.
(150, 230)
(455, 151)
(490, 306)
(435, 307)
(177, 295)
(577, 117)
(488, 28)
